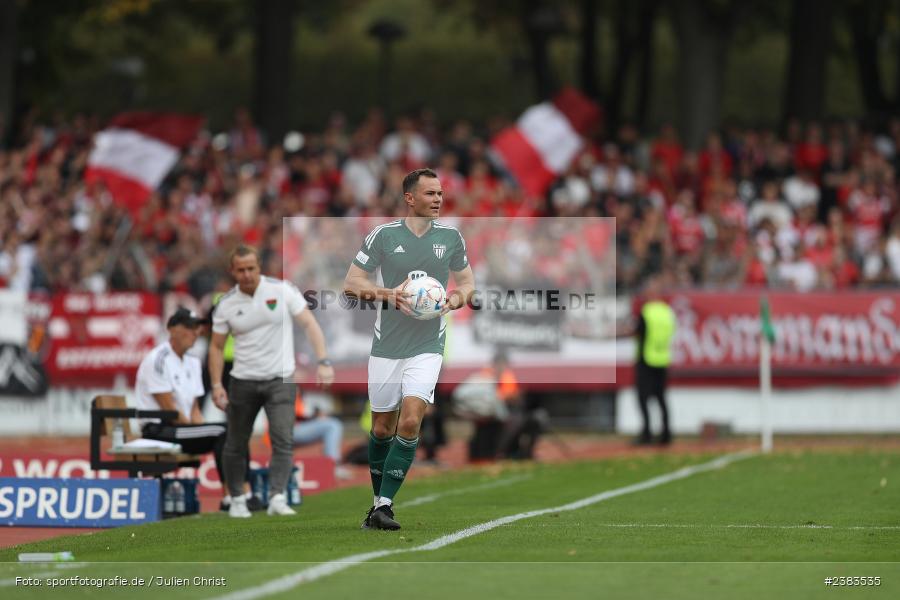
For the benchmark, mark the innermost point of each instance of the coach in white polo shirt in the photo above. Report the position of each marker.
(170, 379)
(257, 313)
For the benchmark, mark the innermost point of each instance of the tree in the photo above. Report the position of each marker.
(8, 56)
(647, 21)
(635, 21)
(704, 29)
(810, 40)
(867, 21)
(588, 71)
(541, 22)
(274, 40)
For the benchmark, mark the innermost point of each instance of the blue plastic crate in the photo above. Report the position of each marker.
(172, 507)
(259, 485)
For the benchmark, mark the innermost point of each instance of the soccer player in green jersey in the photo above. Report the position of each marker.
(406, 353)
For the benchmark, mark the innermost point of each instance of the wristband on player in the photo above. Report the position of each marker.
(218, 385)
(325, 362)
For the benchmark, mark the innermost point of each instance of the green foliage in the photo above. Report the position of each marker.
(464, 59)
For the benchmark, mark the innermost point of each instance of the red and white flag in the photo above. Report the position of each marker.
(136, 151)
(545, 139)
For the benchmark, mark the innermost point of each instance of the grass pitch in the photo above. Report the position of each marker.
(764, 526)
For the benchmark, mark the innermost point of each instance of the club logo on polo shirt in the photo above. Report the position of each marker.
(272, 303)
(439, 250)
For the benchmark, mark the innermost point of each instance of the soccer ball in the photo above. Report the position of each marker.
(427, 297)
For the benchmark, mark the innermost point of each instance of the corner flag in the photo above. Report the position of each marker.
(765, 320)
(767, 335)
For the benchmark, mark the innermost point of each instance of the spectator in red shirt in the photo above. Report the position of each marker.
(662, 180)
(452, 181)
(245, 140)
(811, 153)
(844, 272)
(714, 155)
(869, 209)
(667, 149)
(686, 230)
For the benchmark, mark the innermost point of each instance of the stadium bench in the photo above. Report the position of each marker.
(143, 461)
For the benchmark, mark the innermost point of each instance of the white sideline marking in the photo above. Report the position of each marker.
(475, 488)
(746, 526)
(286, 582)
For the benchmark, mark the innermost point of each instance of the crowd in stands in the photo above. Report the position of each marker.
(814, 207)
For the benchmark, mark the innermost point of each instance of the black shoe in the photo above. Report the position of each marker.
(383, 518)
(254, 504)
(665, 439)
(367, 522)
(642, 440)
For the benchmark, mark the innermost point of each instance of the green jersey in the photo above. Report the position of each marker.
(397, 251)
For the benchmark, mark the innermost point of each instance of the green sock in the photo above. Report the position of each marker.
(397, 464)
(378, 452)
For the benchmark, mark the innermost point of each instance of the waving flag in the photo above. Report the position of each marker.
(545, 139)
(136, 151)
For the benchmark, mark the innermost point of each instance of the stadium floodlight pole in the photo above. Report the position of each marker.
(767, 337)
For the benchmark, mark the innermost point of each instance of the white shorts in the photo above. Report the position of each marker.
(392, 379)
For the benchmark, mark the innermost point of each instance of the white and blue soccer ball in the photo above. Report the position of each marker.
(427, 296)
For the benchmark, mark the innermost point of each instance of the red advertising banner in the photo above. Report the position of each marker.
(96, 337)
(846, 334)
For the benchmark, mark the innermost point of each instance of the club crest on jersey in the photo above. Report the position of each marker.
(439, 250)
(271, 303)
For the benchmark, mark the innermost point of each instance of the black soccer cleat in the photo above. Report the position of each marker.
(383, 518)
(367, 522)
(254, 504)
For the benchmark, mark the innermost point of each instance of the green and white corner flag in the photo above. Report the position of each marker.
(767, 338)
(765, 320)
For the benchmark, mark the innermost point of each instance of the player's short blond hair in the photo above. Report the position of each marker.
(240, 251)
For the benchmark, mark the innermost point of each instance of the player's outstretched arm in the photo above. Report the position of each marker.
(358, 285)
(465, 288)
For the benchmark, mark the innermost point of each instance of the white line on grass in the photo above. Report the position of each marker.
(282, 584)
(475, 488)
(743, 526)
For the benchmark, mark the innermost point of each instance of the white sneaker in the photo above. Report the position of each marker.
(238, 508)
(278, 506)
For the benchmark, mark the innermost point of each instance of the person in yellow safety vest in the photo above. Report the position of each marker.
(654, 333)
